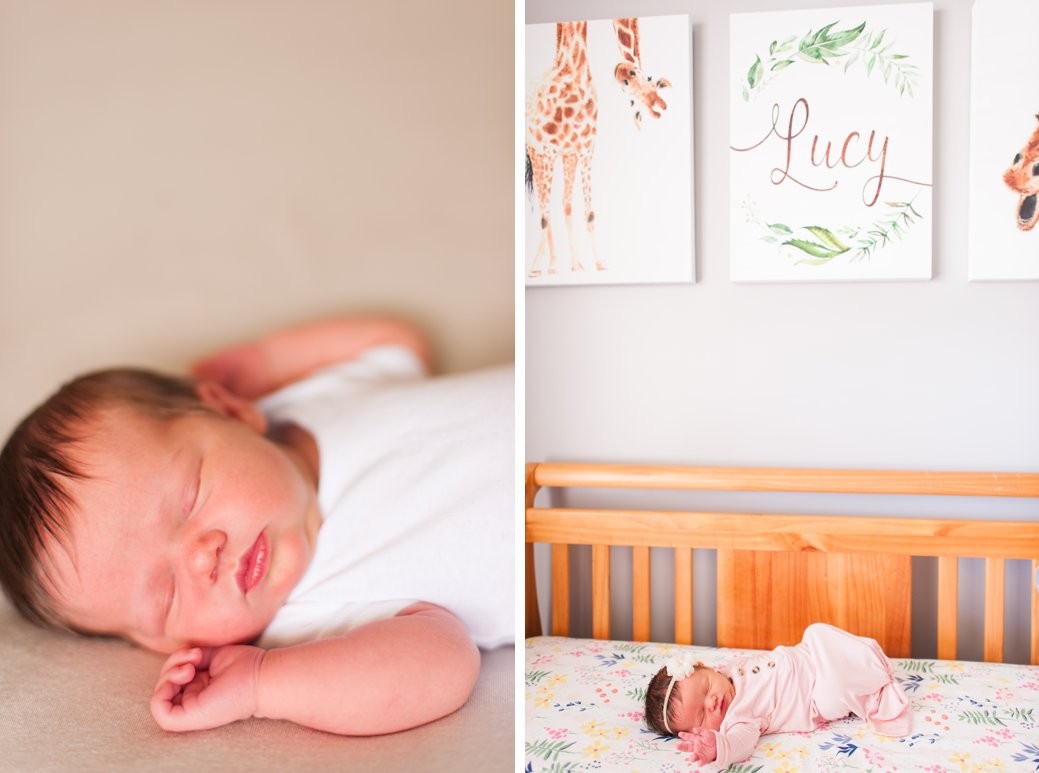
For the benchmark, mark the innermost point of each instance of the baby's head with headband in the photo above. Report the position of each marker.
(687, 694)
(659, 711)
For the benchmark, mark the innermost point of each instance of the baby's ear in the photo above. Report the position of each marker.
(227, 403)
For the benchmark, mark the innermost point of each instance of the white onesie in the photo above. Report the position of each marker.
(416, 490)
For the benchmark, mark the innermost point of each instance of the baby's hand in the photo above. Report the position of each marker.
(241, 369)
(701, 742)
(207, 687)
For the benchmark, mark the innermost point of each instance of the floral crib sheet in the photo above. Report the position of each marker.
(584, 711)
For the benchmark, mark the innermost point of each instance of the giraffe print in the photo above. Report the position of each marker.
(1023, 177)
(562, 120)
(562, 115)
(643, 94)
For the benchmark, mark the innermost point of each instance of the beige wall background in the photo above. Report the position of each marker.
(176, 175)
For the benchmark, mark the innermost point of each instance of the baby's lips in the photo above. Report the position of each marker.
(252, 566)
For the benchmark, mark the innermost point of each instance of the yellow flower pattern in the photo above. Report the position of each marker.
(596, 750)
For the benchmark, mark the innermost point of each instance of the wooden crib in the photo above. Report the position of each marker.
(785, 570)
(775, 574)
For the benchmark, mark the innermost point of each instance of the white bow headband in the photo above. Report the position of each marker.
(678, 667)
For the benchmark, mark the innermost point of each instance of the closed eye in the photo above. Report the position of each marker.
(167, 605)
(192, 491)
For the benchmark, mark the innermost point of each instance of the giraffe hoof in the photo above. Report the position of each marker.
(534, 273)
(600, 266)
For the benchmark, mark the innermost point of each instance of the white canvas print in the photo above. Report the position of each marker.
(609, 152)
(1004, 149)
(831, 144)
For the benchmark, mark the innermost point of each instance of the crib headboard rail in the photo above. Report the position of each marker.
(776, 573)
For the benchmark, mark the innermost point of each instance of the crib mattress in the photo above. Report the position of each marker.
(584, 712)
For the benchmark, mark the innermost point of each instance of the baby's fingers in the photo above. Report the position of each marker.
(179, 675)
(192, 655)
(690, 741)
(180, 667)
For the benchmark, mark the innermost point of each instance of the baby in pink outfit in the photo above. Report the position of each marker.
(720, 716)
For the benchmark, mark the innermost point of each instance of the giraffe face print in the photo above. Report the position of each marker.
(1023, 178)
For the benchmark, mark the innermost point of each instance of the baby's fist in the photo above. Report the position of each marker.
(206, 687)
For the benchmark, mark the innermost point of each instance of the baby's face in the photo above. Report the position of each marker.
(187, 531)
(701, 700)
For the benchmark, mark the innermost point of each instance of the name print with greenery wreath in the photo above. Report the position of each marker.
(856, 51)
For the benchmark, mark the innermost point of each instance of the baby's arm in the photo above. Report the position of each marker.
(258, 367)
(380, 678)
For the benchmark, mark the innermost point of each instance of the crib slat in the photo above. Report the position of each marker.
(560, 590)
(994, 595)
(530, 595)
(1035, 612)
(640, 598)
(948, 595)
(600, 591)
(683, 595)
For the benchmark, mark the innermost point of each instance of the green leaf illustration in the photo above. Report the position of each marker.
(755, 72)
(824, 46)
(547, 750)
(827, 238)
(1022, 715)
(533, 677)
(857, 242)
(918, 666)
(981, 718)
(823, 34)
(813, 249)
(847, 36)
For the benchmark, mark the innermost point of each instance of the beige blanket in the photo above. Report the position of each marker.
(70, 703)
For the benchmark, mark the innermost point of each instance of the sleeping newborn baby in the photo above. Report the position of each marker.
(830, 674)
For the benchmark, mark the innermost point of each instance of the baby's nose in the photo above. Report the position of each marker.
(203, 554)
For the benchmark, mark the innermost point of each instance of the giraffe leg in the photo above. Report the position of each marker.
(569, 175)
(589, 213)
(541, 169)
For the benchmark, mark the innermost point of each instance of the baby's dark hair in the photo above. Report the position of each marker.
(655, 696)
(39, 460)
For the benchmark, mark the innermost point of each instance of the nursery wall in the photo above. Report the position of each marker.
(939, 374)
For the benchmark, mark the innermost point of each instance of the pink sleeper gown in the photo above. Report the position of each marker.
(830, 674)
